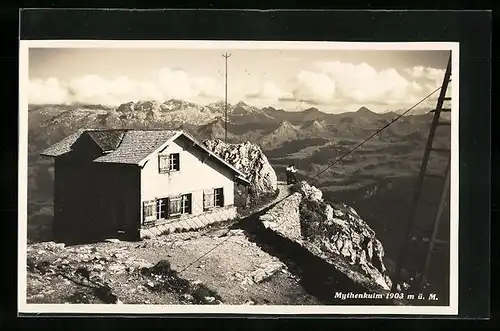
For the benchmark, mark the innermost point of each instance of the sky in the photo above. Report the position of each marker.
(331, 80)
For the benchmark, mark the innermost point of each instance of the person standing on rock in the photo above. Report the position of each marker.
(290, 174)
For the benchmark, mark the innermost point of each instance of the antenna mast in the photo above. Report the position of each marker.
(225, 56)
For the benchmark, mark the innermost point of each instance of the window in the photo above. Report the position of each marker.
(149, 211)
(175, 206)
(219, 197)
(174, 162)
(186, 204)
(213, 198)
(161, 209)
(168, 163)
(180, 205)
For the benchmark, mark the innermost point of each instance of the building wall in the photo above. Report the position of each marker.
(93, 200)
(74, 185)
(117, 198)
(197, 173)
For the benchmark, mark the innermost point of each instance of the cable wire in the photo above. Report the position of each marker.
(322, 171)
(374, 134)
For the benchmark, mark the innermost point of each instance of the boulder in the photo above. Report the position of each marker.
(265, 271)
(250, 160)
(334, 232)
(309, 192)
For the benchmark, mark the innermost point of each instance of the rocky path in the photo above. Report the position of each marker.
(237, 272)
(284, 191)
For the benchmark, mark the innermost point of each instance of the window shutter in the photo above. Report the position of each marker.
(144, 214)
(149, 211)
(157, 209)
(167, 210)
(175, 205)
(163, 163)
(208, 199)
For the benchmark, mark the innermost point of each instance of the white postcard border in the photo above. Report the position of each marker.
(24, 307)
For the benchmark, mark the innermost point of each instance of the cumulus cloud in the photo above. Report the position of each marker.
(269, 92)
(329, 83)
(48, 91)
(179, 84)
(314, 87)
(335, 82)
(362, 83)
(164, 84)
(420, 72)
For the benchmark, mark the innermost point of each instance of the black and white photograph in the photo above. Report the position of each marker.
(238, 177)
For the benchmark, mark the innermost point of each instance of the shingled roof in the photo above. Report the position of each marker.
(107, 140)
(137, 145)
(63, 146)
(128, 146)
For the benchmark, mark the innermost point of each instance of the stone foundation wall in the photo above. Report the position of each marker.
(189, 223)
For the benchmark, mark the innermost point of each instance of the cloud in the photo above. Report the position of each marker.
(316, 88)
(269, 92)
(362, 83)
(180, 85)
(48, 91)
(341, 82)
(163, 84)
(327, 84)
(426, 73)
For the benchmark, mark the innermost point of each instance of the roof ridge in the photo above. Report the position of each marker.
(121, 140)
(126, 129)
(104, 129)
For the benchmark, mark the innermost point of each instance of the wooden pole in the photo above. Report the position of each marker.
(225, 56)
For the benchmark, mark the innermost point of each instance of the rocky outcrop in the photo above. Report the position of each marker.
(334, 232)
(249, 159)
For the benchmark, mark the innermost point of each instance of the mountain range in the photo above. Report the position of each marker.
(313, 140)
(245, 122)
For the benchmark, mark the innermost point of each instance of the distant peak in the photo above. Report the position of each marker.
(178, 102)
(316, 124)
(219, 104)
(286, 124)
(364, 110)
(241, 104)
(148, 102)
(312, 110)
